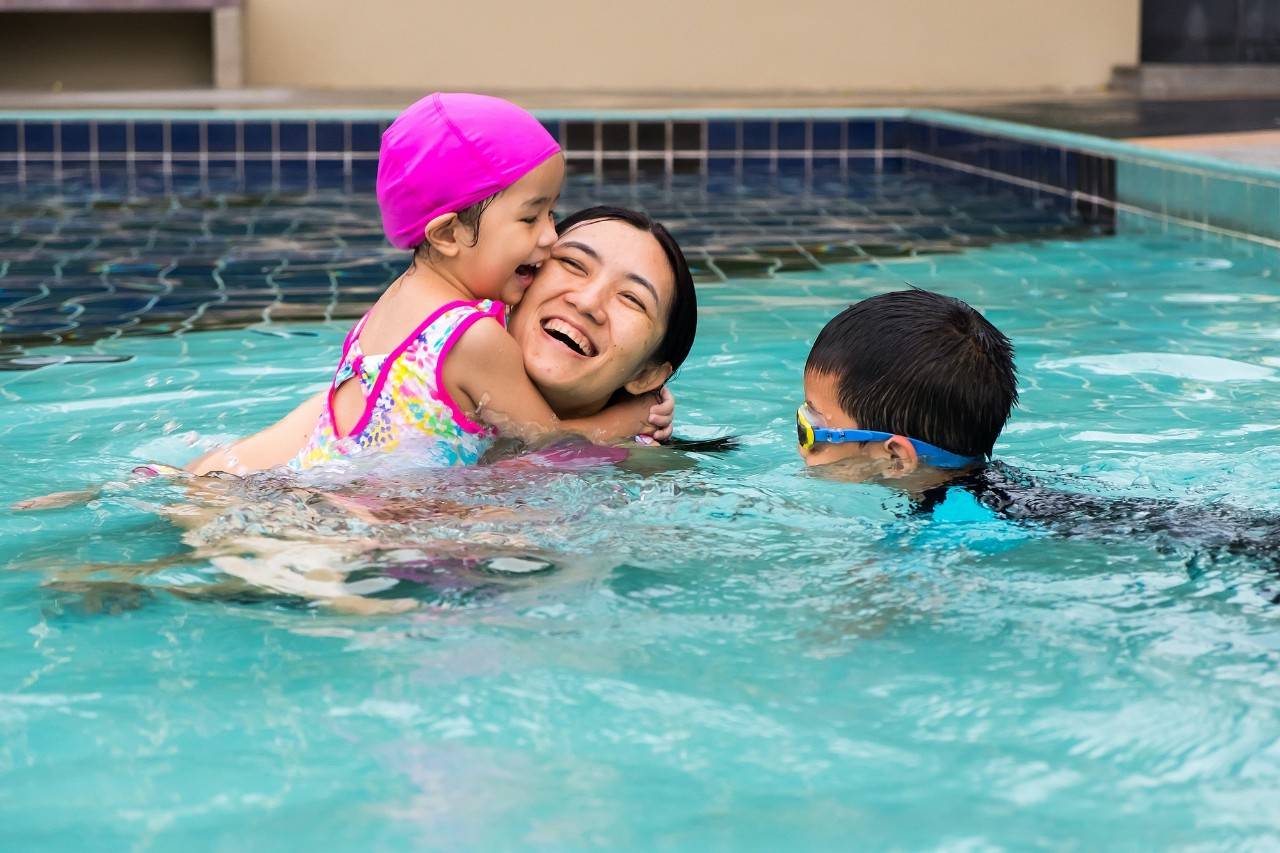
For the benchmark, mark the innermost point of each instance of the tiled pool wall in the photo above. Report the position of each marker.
(1104, 182)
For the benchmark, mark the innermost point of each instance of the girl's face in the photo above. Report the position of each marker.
(594, 315)
(516, 231)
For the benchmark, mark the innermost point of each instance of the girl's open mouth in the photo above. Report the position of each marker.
(571, 337)
(526, 272)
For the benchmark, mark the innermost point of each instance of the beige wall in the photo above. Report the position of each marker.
(691, 45)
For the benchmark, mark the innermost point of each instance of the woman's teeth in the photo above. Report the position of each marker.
(569, 336)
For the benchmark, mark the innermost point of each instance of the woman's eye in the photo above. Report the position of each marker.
(571, 264)
(635, 300)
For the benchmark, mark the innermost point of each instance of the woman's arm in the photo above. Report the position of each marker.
(273, 446)
(486, 364)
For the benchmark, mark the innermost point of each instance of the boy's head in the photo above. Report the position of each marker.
(917, 365)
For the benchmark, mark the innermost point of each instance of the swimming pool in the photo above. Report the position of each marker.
(733, 653)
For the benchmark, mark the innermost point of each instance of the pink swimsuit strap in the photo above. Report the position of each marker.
(353, 355)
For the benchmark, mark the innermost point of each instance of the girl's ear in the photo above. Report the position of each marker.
(442, 234)
(902, 456)
(649, 378)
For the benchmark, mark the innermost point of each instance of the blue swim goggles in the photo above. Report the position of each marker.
(809, 435)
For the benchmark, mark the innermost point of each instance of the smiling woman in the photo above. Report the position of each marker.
(613, 310)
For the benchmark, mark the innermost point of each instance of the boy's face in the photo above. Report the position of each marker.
(892, 460)
(822, 394)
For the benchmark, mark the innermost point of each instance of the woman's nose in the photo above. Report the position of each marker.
(589, 301)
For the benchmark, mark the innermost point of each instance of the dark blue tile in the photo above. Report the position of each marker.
(257, 136)
(1008, 155)
(258, 174)
(893, 165)
(826, 135)
(827, 164)
(862, 134)
(553, 128)
(221, 137)
(331, 136)
(330, 174)
(722, 166)
(38, 137)
(893, 134)
(75, 137)
(294, 174)
(917, 137)
(365, 136)
(76, 163)
(724, 136)
(364, 174)
(757, 135)
(148, 137)
(1052, 171)
(793, 165)
(184, 137)
(792, 136)
(294, 136)
(863, 165)
(8, 137)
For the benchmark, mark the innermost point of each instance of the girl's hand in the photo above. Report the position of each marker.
(662, 415)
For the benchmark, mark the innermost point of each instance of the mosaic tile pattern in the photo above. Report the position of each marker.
(166, 252)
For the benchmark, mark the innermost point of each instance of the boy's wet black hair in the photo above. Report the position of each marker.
(922, 365)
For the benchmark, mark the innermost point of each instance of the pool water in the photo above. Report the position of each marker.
(726, 650)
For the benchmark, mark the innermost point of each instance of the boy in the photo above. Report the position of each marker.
(904, 382)
(915, 386)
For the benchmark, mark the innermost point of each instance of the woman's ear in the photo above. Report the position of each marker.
(902, 456)
(442, 234)
(649, 378)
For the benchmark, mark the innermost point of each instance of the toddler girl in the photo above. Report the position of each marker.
(470, 183)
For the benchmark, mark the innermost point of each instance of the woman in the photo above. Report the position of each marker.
(612, 311)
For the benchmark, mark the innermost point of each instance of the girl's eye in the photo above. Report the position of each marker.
(530, 220)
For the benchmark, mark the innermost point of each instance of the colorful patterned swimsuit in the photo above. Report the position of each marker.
(405, 396)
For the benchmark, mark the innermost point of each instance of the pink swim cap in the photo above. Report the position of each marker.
(448, 151)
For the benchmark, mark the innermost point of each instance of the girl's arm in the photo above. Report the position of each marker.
(273, 446)
(487, 365)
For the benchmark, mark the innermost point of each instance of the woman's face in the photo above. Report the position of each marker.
(591, 320)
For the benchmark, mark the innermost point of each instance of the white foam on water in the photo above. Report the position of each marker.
(1135, 438)
(1200, 368)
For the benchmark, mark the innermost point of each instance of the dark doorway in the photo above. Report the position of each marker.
(1211, 31)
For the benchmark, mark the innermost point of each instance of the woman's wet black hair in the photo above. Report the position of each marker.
(682, 321)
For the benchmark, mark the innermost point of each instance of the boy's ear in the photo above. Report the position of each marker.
(902, 456)
(649, 378)
(444, 234)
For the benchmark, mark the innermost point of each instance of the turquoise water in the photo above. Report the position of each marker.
(729, 651)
